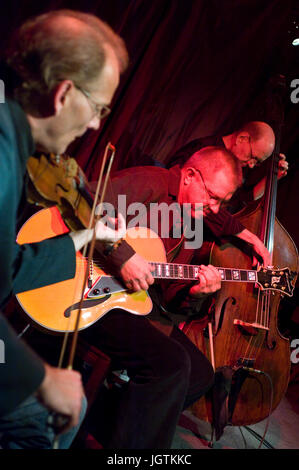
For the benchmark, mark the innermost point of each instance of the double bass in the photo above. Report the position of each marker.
(251, 357)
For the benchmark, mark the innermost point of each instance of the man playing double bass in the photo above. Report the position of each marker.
(251, 144)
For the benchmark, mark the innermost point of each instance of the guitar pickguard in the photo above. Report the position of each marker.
(105, 285)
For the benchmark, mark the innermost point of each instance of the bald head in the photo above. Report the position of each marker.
(211, 160)
(209, 178)
(262, 136)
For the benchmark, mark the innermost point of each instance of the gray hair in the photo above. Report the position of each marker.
(56, 46)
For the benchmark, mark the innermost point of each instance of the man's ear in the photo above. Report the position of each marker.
(61, 94)
(242, 137)
(189, 175)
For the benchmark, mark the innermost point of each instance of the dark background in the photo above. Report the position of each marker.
(197, 67)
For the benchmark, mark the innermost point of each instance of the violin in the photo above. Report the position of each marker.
(58, 180)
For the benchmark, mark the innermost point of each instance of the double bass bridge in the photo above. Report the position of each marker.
(250, 328)
(245, 362)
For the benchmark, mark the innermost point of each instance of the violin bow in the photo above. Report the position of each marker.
(55, 420)
(92, 224)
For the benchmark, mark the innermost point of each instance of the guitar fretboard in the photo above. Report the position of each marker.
(190, 272)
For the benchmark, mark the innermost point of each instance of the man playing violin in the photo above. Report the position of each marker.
(167, 372)
(60, 73)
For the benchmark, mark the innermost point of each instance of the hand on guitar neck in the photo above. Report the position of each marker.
(209, 281)
(136, 273)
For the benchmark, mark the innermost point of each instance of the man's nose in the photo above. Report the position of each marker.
(94, 123)
(251, 163)
(214, 207)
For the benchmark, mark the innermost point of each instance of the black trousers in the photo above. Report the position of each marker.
(167, 374)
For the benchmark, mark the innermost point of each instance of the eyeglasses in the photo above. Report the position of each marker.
(100, 110)
(211, 196)
(257, 161)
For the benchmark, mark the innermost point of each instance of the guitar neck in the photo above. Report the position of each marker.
(190, 272)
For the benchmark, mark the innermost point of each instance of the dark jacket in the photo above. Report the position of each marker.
(22, 267)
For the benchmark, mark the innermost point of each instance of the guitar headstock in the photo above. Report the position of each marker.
(277, 280)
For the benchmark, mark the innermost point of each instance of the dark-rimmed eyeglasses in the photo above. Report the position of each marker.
(100, 110)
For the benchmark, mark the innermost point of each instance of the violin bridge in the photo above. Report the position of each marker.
(250, 328)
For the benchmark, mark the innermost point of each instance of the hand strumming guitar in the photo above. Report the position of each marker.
(136, 273)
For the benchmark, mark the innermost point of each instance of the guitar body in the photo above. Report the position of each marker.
(54, 307)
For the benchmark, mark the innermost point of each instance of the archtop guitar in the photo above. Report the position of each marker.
(54, 307)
